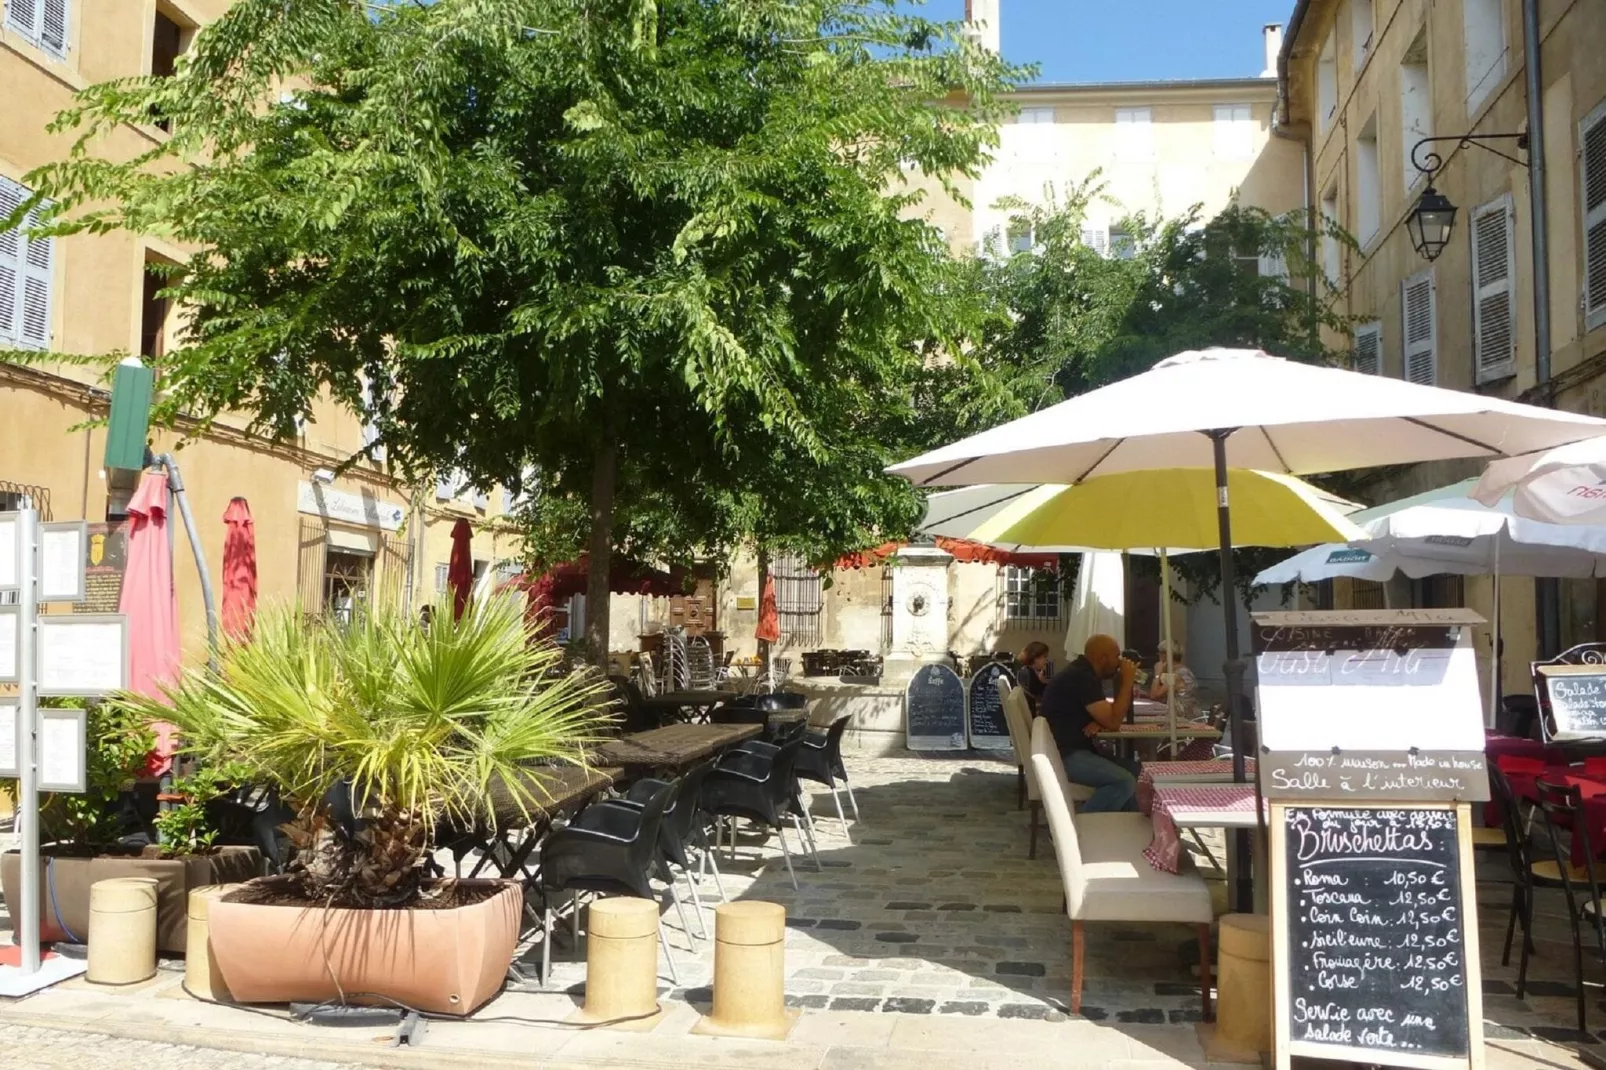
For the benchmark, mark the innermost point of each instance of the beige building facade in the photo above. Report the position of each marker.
(324, 539)
(1366, 81)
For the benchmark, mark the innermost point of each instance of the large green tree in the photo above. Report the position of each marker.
(654, 250)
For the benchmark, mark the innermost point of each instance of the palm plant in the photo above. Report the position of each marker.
(415, 726)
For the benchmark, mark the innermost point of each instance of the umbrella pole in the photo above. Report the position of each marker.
(1494, 643)
(1170, 659)
(1243, 885)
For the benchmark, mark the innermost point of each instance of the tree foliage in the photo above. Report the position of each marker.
(656, 251)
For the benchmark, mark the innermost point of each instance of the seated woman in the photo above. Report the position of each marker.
(1170, 673)
(1031, 675)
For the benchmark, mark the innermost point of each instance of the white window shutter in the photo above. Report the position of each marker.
(1592, 161)
(1420, 331)
(23, 16)
(1493, 315)
(11, 243)
(446, 485)
(1368, 357)
(38, 263)
(1095, 238)
(53, 27)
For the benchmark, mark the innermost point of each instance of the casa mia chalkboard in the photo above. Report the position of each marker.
(1375, 945)
(934, 708)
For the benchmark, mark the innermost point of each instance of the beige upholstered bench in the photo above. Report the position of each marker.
(1022, 726)
(1107, 878)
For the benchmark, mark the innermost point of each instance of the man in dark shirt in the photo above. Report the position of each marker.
(1076, 710)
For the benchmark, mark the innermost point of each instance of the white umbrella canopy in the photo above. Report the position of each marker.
(1281, 415)
(1565, 485)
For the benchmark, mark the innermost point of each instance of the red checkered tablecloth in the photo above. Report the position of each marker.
(1209, 770)
(1165, 850)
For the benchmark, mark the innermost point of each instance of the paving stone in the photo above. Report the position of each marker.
(957, 906)
(843, 924)
(1499, 988)
(1560, 1034)
(896, 938)
(1142, 1016)
(854, 988)
(907, 1005)
(854, 1003)
(1021, 969)
(904, 905)
(969, 1007)
(1031, 1011)
(1094, 1014)
(810, 1001)
(1175, 988)
(800, 923)
(817, 973)
(877, 975)
(1549, 988)
(1188, 1014)
(1002, 908)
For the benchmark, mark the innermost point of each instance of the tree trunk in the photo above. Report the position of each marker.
(763, 576)
(603, 472)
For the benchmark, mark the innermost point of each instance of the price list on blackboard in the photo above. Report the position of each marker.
(1375, 930)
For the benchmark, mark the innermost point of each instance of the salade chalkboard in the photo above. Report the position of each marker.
(1376, 955)
(1577, 695)
(934, 704)
(988, 729)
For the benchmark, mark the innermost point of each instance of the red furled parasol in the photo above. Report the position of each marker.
(460, 569)
(239, 571)
(769, 615)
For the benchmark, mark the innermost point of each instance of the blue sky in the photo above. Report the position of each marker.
(1132, 40)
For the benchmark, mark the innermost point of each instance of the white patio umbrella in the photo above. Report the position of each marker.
(1245, 409)
(1445, 531)
(1098, 606)
(1566, 485)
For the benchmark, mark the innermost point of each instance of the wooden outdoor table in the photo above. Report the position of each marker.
(676, 703)
(1127, 733)
(674, 747)
(517, 830)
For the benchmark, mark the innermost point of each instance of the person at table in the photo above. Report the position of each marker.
(1171, 674)
(1077, 710)
(1032, 673)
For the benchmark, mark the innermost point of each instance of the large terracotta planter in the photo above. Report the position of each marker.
(448, 961)
(64, 882)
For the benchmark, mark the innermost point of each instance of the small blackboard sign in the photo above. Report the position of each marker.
(988, 729)
(934, 703)
(1577, 695)
(1376, 964)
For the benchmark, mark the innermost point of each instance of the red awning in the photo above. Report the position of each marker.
(624, 577)
(963, 550)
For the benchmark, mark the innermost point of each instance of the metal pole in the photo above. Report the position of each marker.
(1244, 888)
(175, 484)
(1170, 659)
(27, 922)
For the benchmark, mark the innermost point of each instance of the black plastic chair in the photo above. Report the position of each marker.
(820, 757)
(1564, 809)
(608, 849)
(679, 833)
(758, 787)
(1522, 875)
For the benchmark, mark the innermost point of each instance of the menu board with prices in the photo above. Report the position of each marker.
(1577, 695)
(985, 711)
(934, 703)
(1374, 945)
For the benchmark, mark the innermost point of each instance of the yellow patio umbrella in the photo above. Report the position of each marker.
(1168, 511)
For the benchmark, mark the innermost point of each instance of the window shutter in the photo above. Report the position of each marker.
(11, 243)
(1094, 238)
(1493, 333)
(446, 485)
(1592, 160)
(482, 501)
(53, 27)
(1420, 332)
(37, 268)
(1368, 358)
(23, 16)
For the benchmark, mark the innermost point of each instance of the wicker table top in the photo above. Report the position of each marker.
(675, 746)
(550, 790)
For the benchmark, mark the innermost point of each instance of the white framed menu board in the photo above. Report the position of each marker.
(10, 739)
(10, 560)
(61, 560)
(83, 654)
(10, 625)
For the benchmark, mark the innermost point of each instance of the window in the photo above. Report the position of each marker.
(1030, 596)
(442, 570)
(448, 485)
(1416, 105)
(1035, 116)
(1332, 252)
(27, 276)
(1592, 163)
(1020, 237)
(1494, 340)
(1134, 135)
(370, 422)
(1484, 22)
(42, 22)
(1235, 131)
(1326, 85)
(481, 500)
(1361, 16)
(1418, 329)
(1368, 192)
(799, 600)
(1368, 355)
(155, 311)
(1439, 592)
(170, 38)
(1097, 239)
(1122, 246)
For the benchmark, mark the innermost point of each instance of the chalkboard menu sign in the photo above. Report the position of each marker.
(934, 703)
(988, 729)
(1577, 695)
(1376, 954)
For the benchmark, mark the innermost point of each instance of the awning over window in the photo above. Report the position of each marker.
(963, 550)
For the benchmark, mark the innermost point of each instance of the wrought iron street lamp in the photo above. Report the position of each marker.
(1433, 219)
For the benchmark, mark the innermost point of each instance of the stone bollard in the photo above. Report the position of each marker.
(749, 973)
(621, 964)
(122, 931)
(201, 976)
(1242, 1029)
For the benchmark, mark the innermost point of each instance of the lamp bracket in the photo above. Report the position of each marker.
(1430, 162)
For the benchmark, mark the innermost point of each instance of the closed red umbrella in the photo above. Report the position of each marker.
(460, 570)
(151, 606)
(239, 571)
(769, 615)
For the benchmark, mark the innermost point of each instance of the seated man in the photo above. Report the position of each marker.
(1077, 711)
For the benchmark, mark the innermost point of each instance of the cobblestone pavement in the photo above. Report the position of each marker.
(25, 1048)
